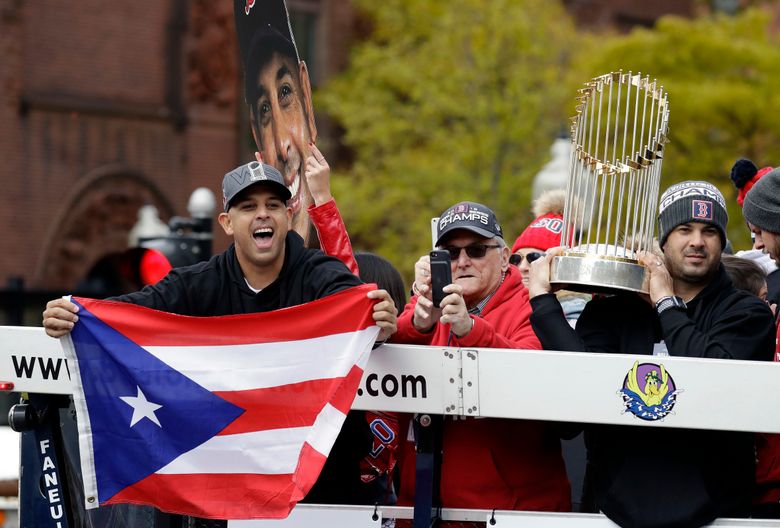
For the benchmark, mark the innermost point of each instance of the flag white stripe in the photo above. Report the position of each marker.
(86, 453)
(259, 366)
(325, 429)
(273, 452)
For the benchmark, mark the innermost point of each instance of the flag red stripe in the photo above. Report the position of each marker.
(345, 394)
(310, 464)
(229, 496)
(335, 314)
(214, 496)
(293, 405)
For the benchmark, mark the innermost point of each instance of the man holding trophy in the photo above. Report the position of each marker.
(643, 476)
(680, 304)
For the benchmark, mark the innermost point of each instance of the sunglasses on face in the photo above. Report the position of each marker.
(515, 258)
(474, 251)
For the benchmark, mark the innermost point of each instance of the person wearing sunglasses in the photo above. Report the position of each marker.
(542, 234)
(490, 463)
(527, 256)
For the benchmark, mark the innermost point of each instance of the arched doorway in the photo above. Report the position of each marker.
(94, 221)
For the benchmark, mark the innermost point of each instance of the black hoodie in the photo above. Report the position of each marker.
(662, 477)
(218, 287)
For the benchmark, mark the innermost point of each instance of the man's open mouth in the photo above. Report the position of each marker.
(263, 236)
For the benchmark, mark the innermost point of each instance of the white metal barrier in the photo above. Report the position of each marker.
(530, 384)
(308, 515)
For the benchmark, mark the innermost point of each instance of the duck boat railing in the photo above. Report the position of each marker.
(683, 392)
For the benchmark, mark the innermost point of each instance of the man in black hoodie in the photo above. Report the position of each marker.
(653, 477)
(266, 268)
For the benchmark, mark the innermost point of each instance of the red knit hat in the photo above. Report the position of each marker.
(543, 233)
(745, 174)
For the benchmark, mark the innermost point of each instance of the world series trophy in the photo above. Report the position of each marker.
(618, 138)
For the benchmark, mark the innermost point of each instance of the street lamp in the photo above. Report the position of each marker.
(186, 241)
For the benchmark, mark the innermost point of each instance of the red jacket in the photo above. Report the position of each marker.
(334, 240)
(492, 463)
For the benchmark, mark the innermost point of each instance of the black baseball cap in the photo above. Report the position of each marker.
(250, 174)
(470, 216)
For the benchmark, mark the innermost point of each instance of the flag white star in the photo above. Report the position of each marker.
(142, 408)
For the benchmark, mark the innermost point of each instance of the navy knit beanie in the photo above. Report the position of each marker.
(692, 201)
(762, 203)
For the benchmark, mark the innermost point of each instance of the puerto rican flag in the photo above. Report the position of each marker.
(218, 417)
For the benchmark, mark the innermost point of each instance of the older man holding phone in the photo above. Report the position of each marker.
(486, 463)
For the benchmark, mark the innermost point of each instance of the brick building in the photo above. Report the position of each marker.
(106, 107)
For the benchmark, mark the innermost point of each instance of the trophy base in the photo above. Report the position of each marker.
(593, 274)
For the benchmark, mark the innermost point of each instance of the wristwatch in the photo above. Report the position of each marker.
(669, 302)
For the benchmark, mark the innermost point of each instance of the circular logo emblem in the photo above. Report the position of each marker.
(648, 391)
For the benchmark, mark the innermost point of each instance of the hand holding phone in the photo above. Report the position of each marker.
(441, 275)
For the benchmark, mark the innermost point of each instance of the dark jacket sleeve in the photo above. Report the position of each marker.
(168, 295)
(744, 330)
(551, 326)
(595, 326)
(329, 275)
(555, 333)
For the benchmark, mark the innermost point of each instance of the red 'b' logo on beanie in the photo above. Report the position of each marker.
(702, 209)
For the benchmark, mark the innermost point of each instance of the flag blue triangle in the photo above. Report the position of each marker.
(112, 366)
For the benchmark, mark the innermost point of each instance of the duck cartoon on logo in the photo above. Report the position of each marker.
(648, 392)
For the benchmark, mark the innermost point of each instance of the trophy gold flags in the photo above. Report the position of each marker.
(618, 138)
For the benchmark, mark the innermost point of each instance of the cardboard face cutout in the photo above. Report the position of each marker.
(277, 91)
